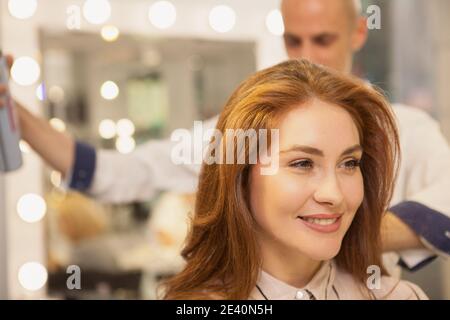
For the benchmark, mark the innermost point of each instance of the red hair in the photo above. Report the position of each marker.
(221, 252)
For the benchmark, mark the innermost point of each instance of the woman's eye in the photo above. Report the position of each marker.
(351, 164)
(302, 164)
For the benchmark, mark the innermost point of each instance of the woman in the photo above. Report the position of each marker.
(311, 230)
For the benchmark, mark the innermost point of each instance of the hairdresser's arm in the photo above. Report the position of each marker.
(398, 236)
(55, 147)
(107, 175)
(425, 185)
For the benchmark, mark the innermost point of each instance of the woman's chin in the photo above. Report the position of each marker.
(322, 252)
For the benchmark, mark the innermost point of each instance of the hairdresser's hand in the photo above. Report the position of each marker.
(56, 148)
(3, 90)
(4, 87)
(397, 236)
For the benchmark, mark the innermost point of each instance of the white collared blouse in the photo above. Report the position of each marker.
(333, 283)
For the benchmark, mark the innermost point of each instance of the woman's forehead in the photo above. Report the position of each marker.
(320, 125)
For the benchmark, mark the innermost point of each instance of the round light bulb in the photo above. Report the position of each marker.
(24, 147)
(25, 71)
(22, 9)
(274, 22)
(162, 14)
(32, 276)
(125, 144)
(31, 207)
(56, 94)
(55, 178)
(125, 128)
(222, 18)
(97, 11)
(109, 90)
(107, 129)
(110, 33)
(58, 124)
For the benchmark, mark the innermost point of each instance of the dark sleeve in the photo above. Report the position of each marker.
(429, 224)
(84, 167)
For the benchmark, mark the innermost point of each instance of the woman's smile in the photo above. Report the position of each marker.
(325, 223)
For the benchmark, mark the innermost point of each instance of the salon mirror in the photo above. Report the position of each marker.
(116, 95)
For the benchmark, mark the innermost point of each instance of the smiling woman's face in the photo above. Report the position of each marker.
(309, 204)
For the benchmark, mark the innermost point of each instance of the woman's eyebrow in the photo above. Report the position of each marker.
(318, 152)
(355, 148)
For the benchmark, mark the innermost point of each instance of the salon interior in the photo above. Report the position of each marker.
(116, 74)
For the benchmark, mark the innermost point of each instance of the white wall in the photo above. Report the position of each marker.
(3, 252)
(24, 241)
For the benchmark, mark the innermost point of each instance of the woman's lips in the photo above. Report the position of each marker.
(325, 223)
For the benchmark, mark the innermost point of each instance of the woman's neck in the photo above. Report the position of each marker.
(287, 265)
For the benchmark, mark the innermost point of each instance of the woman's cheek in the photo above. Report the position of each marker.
(282, 194)
(290, 191)
(354, 192)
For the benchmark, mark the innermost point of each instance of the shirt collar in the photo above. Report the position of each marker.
(319, 288)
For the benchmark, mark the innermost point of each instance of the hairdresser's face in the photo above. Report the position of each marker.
(323, 32)
(308, 205)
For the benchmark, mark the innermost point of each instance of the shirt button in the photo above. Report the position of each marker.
(300, 295)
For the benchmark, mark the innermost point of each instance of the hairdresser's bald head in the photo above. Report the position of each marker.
(327, 32)
(352, 8)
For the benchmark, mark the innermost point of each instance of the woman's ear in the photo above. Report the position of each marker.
(360, 34)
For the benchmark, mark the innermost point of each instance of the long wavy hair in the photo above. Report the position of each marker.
(222, 255)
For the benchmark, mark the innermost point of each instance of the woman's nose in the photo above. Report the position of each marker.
(329, 191)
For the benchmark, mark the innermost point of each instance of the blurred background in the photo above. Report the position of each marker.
(118, 73)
